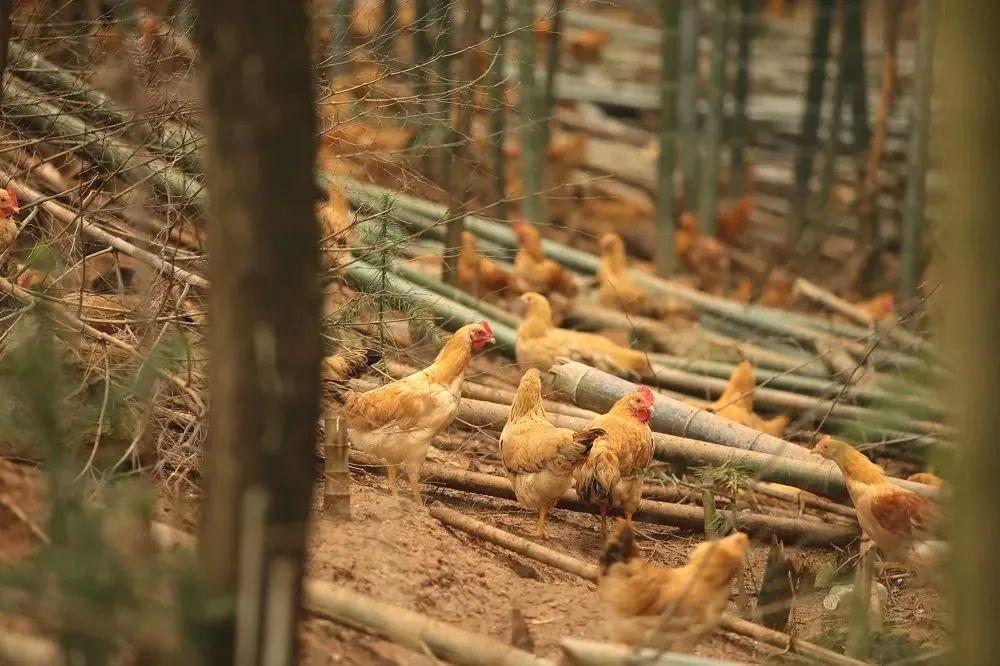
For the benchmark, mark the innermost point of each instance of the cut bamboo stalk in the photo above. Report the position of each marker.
(666, 259)
(859, 627)
(25, 105)
(411, 629)
(687, 100)
(337, 477)
(592, 389)
(912, 251)
(708, 192)
(581, 652)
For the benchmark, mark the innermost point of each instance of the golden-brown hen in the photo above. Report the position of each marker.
(534, 270)
(899, 521)
(704, 256)
(736, 403)
(617, 289)
(397, 422)
(334, 219)
(683, 604)
(540, 458)
(539, 342)
(734, 219)
(480, 276)
(8, 227)
(612, 474)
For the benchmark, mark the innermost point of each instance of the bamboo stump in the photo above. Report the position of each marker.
(337, 478)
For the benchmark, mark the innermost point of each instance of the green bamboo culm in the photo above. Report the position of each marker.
(912, 253)
(746, 27)
(708, 193)
(551, 70)
(669, 66)
(498, 119)
(687, 101)
(531, 128)
(809, 134)
(422, 47)
(855, 76)
(439, 161)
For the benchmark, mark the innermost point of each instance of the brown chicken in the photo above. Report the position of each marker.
(733, 220)
(8, 227)
(612, 474)
(736, 403)
(534, 271)
(880, 306)
(899, 521)
(778, 290)
(539, 343)
(926, 478)
(334, 217)
(397, 422)
(539, 457)
(683, 604)
(704, 256)
(480, 276)
(617, 290)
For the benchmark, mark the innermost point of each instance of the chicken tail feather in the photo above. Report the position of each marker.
(620, 547)
(598, 476)
(347, 364)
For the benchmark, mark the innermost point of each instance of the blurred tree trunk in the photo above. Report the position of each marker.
(669, 57)
(531, 129)
(970, 145)
(912, 253)
(498, 118)
(746, 28)
(264, 338)
(869, 239)
(551, 70)
(461, 153)
(687, 101)
(809, 136)
(708, 192)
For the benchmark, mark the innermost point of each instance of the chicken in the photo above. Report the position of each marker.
(397, 422)
(348, 364)
(705, 256)
(617, 289)
(534, 270)
(539, 342)
(8, 227)
(480, 276)
(927, 479)
(736, 403)
(778, 291)
(880, 306)
(897, 520)
(587, 45)
(334, 217)
(613, 472)
(539, 457)
(684, 604)
(733, 220)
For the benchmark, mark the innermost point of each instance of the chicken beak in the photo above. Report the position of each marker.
(492, 341)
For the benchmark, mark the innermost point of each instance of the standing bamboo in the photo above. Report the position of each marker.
(6, 7)
(747, 26)
(498, 118)
(387, 31)
(531, 129)
(337, 479)
(670, 53)
(969, 140)
(437, 162)
(551, 70)
(687, 100)
(458, 188)
(856, 79)
(808, 137)
(265, 337)
(912, 253)
(814, 233)
(712, 139)
(336, 60)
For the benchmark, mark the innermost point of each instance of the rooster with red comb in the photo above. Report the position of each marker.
(612, 474)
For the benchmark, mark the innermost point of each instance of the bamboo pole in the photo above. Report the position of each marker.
(747, 27)
(551, 71)
(854, 69)
(786, 642)
(337, 486)
(859, 628)
(912, 251)
(337, 55)
(411, 629)
(687, 100)
(437, 164)
(424, 279)
(822, 21)
(708, 192)
(498, 117)
(666, 260)
(531, 130)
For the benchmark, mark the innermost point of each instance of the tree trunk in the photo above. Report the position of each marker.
(6, 7)
(970, 144)
(551, 70)
(687, 101)
(708, 194)
(458, 188)
(264, 338)
(855, 74)
(438, 164)
(912, 252)
(670, 53)
(337, 54)
(747, 27)
(531, 130)
(498, 117)
(808, 138)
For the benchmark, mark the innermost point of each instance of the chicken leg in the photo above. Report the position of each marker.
(540, 531)
(413, 472)
(604, 520)
(391, 469)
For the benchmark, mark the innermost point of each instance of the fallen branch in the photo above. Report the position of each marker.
(786, 642)
(582, 652)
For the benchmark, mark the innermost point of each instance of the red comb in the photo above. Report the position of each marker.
(646, 393)
(489, 329)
